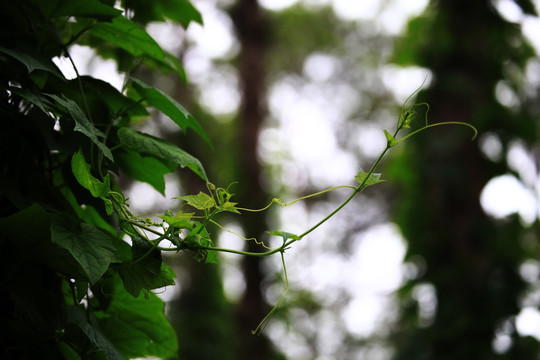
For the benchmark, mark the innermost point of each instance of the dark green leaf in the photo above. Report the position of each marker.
(36, 99)
(143, 168)
(180, 11)
(138, 326)
(84, 8)
(127, 35)
(373, 178)
(99, 91)
(83, 125)
(169, 107)
(160, 149)
(81, 170)
(146, 271)
(144, 276)
(77, 316)
(32, 59)
(92, 248)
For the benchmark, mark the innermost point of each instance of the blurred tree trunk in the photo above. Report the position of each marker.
(251, 29)
(471, 259)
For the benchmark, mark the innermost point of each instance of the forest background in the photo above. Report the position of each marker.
(438, 262)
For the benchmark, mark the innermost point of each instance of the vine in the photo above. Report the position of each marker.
(187, 230)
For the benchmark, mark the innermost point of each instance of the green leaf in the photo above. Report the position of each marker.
(199, 237)
(373, 178)
(32, 59)
(181, 11)
(138, 326)
(89, 246)
(99, 92)
(211, 255)
(390, 139)
(36, 99)
(84, 8)
(169, 107)
(200, 201)
(180, 221)
(83, 125)
(285, 235)
(127, 35)
(81, 170)
(77, 316)
(160, 149)
(146, 270)
(230, 207)
(143, 168)
(124, 33)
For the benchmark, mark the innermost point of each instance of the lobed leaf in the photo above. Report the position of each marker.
(200, 201)
(89, 246)
(362, 178)
(138, 326)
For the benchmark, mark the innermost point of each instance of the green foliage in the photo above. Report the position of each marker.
(62, 144)
(62, 215)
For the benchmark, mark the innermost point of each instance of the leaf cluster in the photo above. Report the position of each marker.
(68, 274)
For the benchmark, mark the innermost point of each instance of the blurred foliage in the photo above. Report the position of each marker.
(471, 259)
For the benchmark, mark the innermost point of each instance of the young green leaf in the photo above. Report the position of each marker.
(390, 139)
(180, 221)
(200, 201)
(169, 107)
(166, 152)
(89, 246)
(81, 170)
(362, 178)
(229, 207)
(285, 235)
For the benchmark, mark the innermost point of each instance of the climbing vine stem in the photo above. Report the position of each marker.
(187, 231)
